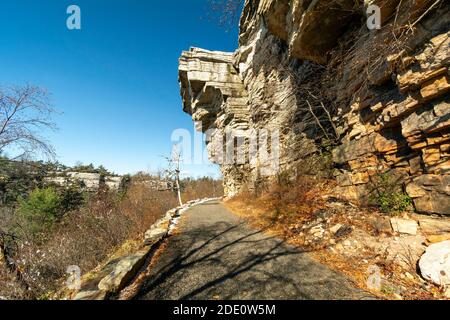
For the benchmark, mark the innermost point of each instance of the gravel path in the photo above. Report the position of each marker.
(215, 255)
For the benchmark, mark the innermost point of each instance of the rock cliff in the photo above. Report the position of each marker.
(314, 72)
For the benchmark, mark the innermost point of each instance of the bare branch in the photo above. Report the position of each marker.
(24, 113)
(317, 120)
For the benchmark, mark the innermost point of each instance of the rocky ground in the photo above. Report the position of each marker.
(402, 257)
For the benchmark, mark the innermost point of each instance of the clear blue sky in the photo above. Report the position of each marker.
(115, 81)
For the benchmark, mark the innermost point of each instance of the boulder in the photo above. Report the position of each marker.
(381, 224)
(404, 226)
(122, 272)
(154, 235)
(433, 203)
(431, 226)
(336, 228)
(435, 264)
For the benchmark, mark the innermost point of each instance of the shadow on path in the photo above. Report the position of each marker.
(216, 256)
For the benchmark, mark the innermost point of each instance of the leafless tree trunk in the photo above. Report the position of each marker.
(174, 171)
(178, 184)
(24, 113)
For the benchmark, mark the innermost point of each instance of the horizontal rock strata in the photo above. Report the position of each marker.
(313, 71)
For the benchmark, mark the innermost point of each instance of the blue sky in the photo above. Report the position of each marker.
(115, 81)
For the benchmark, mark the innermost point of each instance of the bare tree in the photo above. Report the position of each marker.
(24, 113)
(173, 171)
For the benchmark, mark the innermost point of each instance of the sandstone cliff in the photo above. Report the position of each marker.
(313, 71)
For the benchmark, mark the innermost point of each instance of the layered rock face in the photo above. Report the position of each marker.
(314, 72)
(214, 94)
(90, 181)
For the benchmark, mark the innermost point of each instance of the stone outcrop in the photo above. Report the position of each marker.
(213, 93)
(313, 71)
(93, 181)
(89, 181)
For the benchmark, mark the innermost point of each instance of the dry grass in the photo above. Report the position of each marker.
(9, 288)
(285, 204)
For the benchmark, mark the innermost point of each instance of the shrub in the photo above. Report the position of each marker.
(392, 202)
(124, 186)
(16, 181)
(72, 198)
(39, 210)
(10, 288)
(285, 200)
(290, 198)
(388, 194)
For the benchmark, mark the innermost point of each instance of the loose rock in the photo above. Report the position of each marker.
(435, 264)
(336, 228)
(154, 235)
(404, 226)
(432, 226)
(343, 231)
(122, 272)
